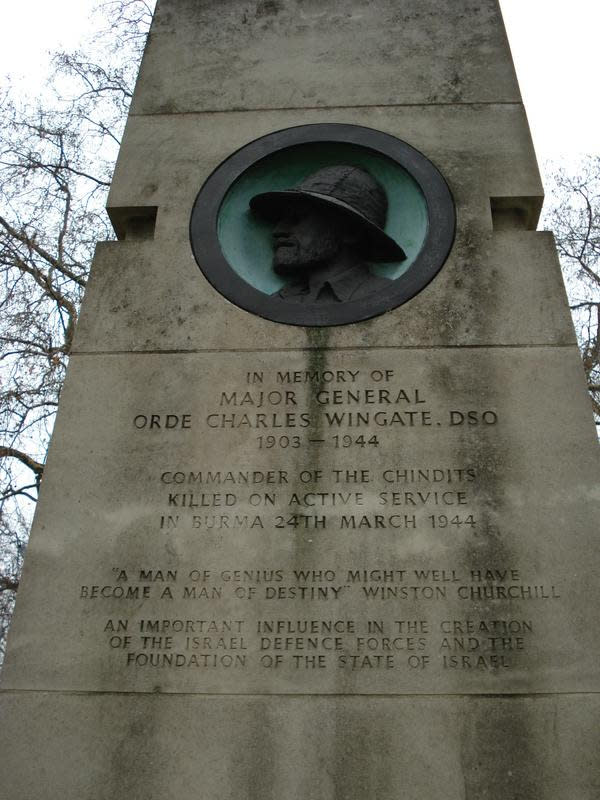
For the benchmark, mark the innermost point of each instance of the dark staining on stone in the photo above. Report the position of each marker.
(518, 773)
(445, 378)
(481, 448)
(268, 8)
(135, 746)
(149, 189)
(454, 88)
(475, 286)
(484, 450)
(256, 758)
(359, 742)
(318, 339)
(309, 456)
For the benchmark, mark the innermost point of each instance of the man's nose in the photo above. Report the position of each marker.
(283, 227)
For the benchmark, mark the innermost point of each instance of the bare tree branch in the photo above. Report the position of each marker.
(34, 466)
(8, 584)
(574, 215)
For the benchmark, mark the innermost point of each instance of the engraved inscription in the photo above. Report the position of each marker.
(377, 638)
(336, 524)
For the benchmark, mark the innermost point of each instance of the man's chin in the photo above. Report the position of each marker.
(287, 268)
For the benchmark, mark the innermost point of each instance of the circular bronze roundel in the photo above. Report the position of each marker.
(322, 225)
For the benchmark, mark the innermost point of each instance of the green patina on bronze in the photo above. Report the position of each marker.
(246, 240)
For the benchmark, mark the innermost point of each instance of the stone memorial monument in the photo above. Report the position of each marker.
(319, 518)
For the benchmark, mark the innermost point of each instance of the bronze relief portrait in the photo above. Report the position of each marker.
(326, 230)
(322, 225)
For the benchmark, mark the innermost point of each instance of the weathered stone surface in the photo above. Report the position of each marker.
(206, 56)
(482, 150)
(483, 296)
(470, 564)
(448, 543)
(179, 747)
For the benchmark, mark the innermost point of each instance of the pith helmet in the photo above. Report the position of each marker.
(350, 190)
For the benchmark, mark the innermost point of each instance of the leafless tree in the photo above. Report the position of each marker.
(573, 214)
(56, 160)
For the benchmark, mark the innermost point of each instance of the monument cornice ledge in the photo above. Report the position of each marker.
(333, 348)
(246, 109)
(371, 696)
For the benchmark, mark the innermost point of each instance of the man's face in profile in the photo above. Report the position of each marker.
(305, 237)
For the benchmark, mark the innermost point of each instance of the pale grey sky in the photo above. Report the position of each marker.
(554, 45)
(30, 28)
(555, 49)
